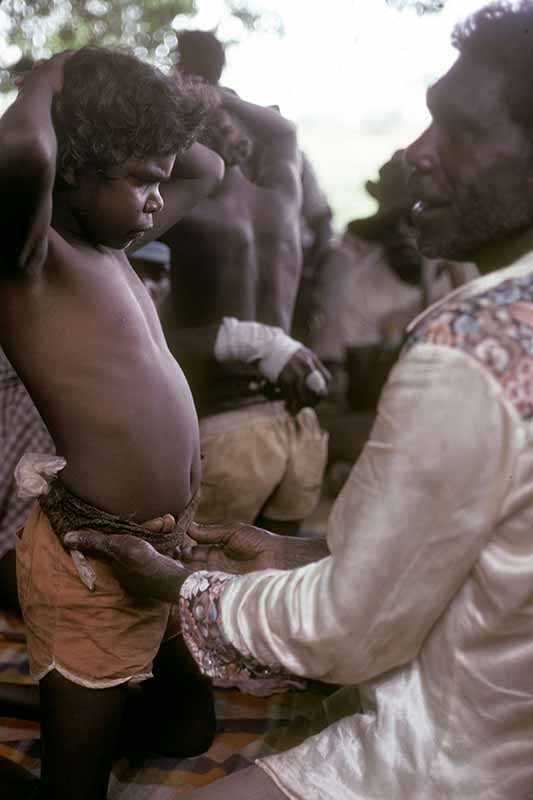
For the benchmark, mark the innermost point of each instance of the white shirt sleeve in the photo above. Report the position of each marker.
(421, 501)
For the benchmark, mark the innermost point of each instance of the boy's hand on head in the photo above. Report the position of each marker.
(138, 566)
(52, 69)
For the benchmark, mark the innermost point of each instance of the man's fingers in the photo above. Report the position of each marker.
(196, 555)
(210, 534)
(121, 548)
(90, 542)
(164, 524)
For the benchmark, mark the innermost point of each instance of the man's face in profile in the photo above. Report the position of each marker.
(472, 173)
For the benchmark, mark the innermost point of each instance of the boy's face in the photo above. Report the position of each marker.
(116, 207)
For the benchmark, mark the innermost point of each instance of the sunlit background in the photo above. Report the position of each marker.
(351, 73)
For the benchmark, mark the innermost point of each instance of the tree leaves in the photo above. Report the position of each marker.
(40, 28)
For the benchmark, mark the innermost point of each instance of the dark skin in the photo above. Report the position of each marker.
(91, 337)
(471, 180)
(235, 548)
(246, 234)
(243, 242)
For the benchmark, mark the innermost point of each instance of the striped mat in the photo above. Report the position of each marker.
(248, 727)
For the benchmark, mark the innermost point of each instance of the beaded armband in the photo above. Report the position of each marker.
(199, 605)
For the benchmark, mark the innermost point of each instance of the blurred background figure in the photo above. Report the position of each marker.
(239, 254)
(201, 54)
(152, 265)
(317, 233)
(372, 284)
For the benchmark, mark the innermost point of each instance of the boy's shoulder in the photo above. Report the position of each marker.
(494, 327)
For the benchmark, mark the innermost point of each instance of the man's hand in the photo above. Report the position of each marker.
(303, 381)
(138, 566)
(239, 548)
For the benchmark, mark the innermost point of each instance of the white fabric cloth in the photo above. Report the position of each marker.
(271, 347)
(426, 601)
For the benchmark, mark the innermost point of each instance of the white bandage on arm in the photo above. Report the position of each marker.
(253, 341)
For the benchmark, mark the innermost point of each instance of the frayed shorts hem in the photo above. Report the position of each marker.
(38, 676)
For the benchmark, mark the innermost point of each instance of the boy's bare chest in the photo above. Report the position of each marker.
(84, 318)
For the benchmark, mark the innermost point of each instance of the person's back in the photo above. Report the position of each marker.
(84, 336)
(237, 256)
(243, 243)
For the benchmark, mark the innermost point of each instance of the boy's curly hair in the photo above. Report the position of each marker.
(114, 107)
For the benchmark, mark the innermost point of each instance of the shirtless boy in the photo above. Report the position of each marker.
(96, 156)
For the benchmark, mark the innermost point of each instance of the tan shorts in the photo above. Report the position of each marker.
(96, 639)
(260, 460)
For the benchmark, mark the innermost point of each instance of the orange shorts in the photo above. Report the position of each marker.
(96, 639)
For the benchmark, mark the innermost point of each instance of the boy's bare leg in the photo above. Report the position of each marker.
(172, 713)
(8, 582)
(79, 730)
(175, 715)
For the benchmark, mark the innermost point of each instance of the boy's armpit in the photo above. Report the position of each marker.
(26, 224)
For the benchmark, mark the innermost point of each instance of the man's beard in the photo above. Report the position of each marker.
(475, 222)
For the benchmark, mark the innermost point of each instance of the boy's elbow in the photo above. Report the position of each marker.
(28, 154)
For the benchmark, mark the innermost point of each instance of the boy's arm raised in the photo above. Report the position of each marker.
(28, 149)
(195, 175)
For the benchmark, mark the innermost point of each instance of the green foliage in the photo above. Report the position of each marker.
(39, 28)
